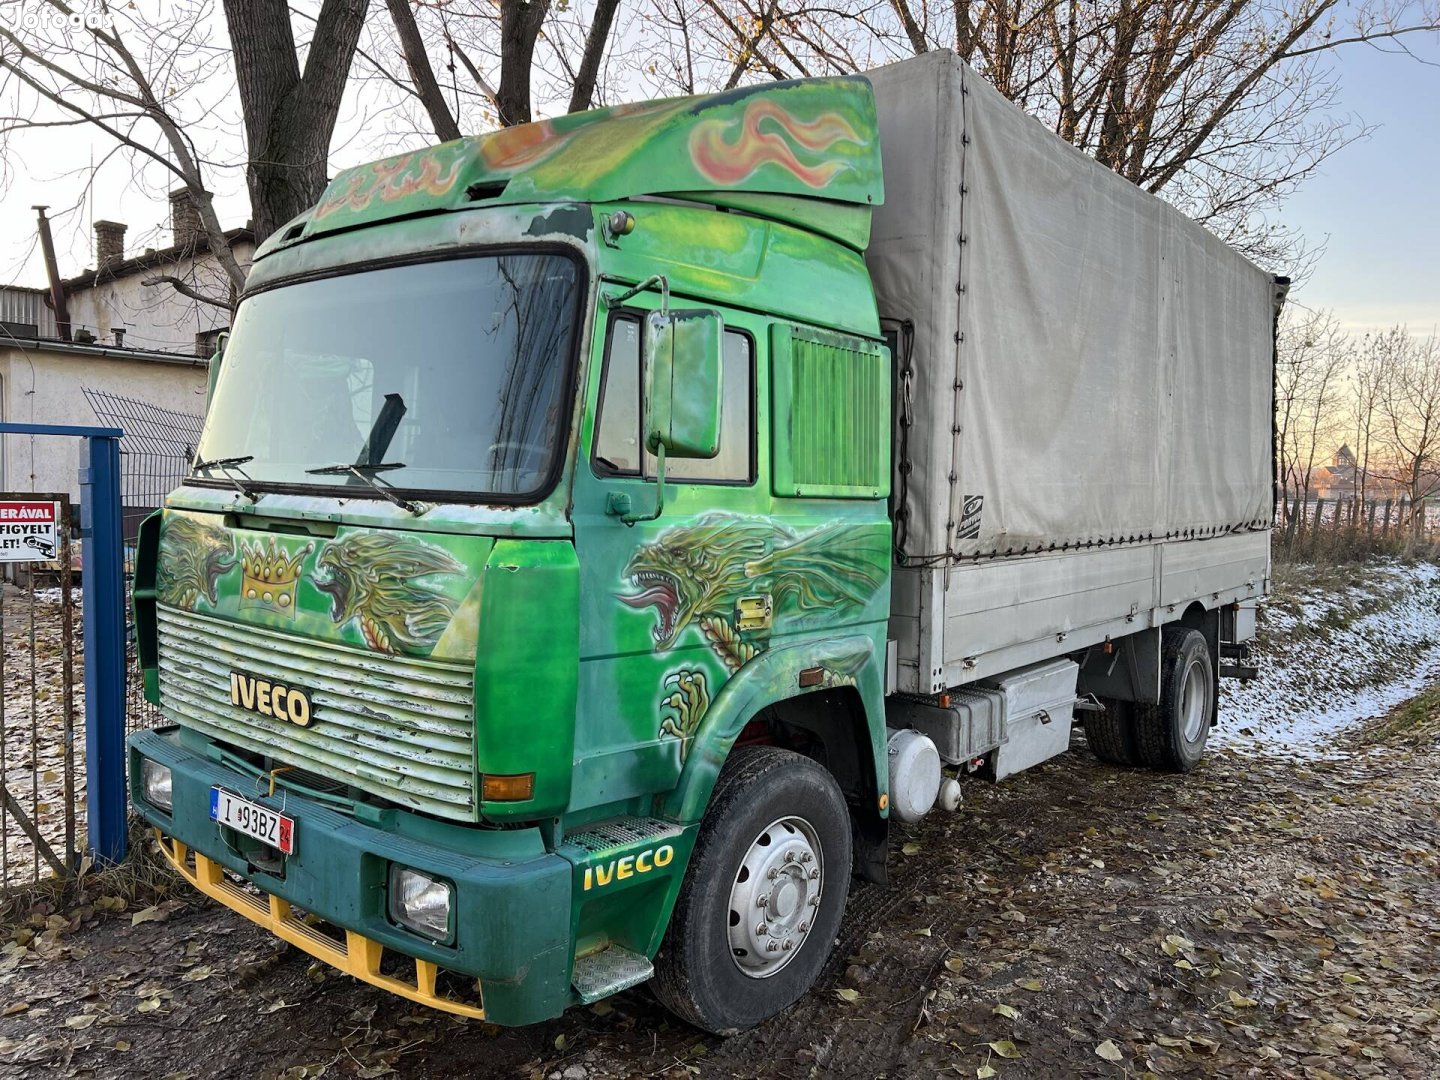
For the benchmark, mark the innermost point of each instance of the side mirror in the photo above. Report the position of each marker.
(213, 376)
(683, 364)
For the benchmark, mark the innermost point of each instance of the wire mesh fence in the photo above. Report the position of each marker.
(42, 747)
(156, 449)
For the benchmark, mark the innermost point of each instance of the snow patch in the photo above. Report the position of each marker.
(1334, 660)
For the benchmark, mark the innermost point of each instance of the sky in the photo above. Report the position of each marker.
(1372, 207)
(1375, 206)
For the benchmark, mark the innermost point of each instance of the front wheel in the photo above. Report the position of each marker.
(763, 895)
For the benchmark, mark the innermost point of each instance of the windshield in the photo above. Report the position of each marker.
(444, 376)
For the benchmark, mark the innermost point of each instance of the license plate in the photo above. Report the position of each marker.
(253, 820)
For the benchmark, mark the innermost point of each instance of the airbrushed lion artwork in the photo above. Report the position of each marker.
(387, 590)
(698, 576)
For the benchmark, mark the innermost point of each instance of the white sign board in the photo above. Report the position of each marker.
(29, 530)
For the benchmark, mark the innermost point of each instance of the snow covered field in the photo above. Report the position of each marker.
(1333, 657)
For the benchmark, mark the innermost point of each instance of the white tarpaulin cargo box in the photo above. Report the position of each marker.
(1079, 365)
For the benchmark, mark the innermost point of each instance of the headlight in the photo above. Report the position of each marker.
(420, 902)
(156, 780)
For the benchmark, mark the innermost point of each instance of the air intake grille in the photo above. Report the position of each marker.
(396, 727)
(832, 406)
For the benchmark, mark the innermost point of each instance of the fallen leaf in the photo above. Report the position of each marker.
(848, 995)
(1240, 1001)
(1109, 1051)
(1006, 1011)
(984, 1072)
(1030, 984)
(81, 1022)
(1005, 1048)
(149, 914)
(910, 848)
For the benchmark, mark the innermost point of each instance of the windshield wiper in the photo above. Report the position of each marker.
(225, 464)
(361, 471)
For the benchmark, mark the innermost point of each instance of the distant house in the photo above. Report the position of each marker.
(1341, 479)
(145, 343)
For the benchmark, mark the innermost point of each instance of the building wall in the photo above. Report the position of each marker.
(155, 316)
(42, 386)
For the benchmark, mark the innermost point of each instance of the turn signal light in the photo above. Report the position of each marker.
(518, 787)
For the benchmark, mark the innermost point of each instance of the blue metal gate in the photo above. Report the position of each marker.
(102, 578)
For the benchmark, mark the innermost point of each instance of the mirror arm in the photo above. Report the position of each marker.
(631, 519)
(651, 281)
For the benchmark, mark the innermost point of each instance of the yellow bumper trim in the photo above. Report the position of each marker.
(359, 956)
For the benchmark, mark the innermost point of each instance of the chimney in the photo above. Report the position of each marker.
(109, 243)
(184, 218)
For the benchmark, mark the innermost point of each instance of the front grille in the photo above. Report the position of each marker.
(393, 726)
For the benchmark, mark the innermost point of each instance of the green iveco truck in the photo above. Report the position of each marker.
(604, 528)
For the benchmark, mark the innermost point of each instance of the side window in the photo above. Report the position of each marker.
(617, 440)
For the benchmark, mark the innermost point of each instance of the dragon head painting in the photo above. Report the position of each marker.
(194, 556)
(380, 581)
(697, 572)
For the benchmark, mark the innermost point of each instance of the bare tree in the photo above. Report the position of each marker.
(1366, 380)
(289, 114)
(515, 55)
(1409, 409)
(1312, 357)
(131, 82)
(1222, 106)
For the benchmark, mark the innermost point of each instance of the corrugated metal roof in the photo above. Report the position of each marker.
(26, 307)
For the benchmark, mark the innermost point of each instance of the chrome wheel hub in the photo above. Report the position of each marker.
(775, 897)
(1194, 702)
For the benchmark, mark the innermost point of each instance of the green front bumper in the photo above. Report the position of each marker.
(511, 913)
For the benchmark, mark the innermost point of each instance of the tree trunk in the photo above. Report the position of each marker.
(583, 94)
(289, 115)
(520, 23)
(421, 73)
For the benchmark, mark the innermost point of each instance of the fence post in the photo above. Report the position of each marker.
(1370, 519)
(1319, 517)
(1385, 528)
(104, 609)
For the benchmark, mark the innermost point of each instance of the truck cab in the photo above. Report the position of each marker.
(543, 479)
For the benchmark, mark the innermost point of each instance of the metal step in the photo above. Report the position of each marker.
(608, 972)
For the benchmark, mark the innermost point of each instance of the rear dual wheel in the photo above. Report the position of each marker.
(763, 895)
(1169, 736)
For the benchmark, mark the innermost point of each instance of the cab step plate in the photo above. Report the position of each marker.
(608, 972)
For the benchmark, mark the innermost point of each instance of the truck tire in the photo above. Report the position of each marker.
(1111, 734)
(1171, 736)
(774, 852)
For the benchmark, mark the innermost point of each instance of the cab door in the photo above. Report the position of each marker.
(670, 608)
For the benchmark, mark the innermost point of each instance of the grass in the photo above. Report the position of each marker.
(143, 878)
(1414, 724)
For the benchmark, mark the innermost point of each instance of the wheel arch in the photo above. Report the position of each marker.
(839, 723)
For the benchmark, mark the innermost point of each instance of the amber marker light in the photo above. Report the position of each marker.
(518, 787)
